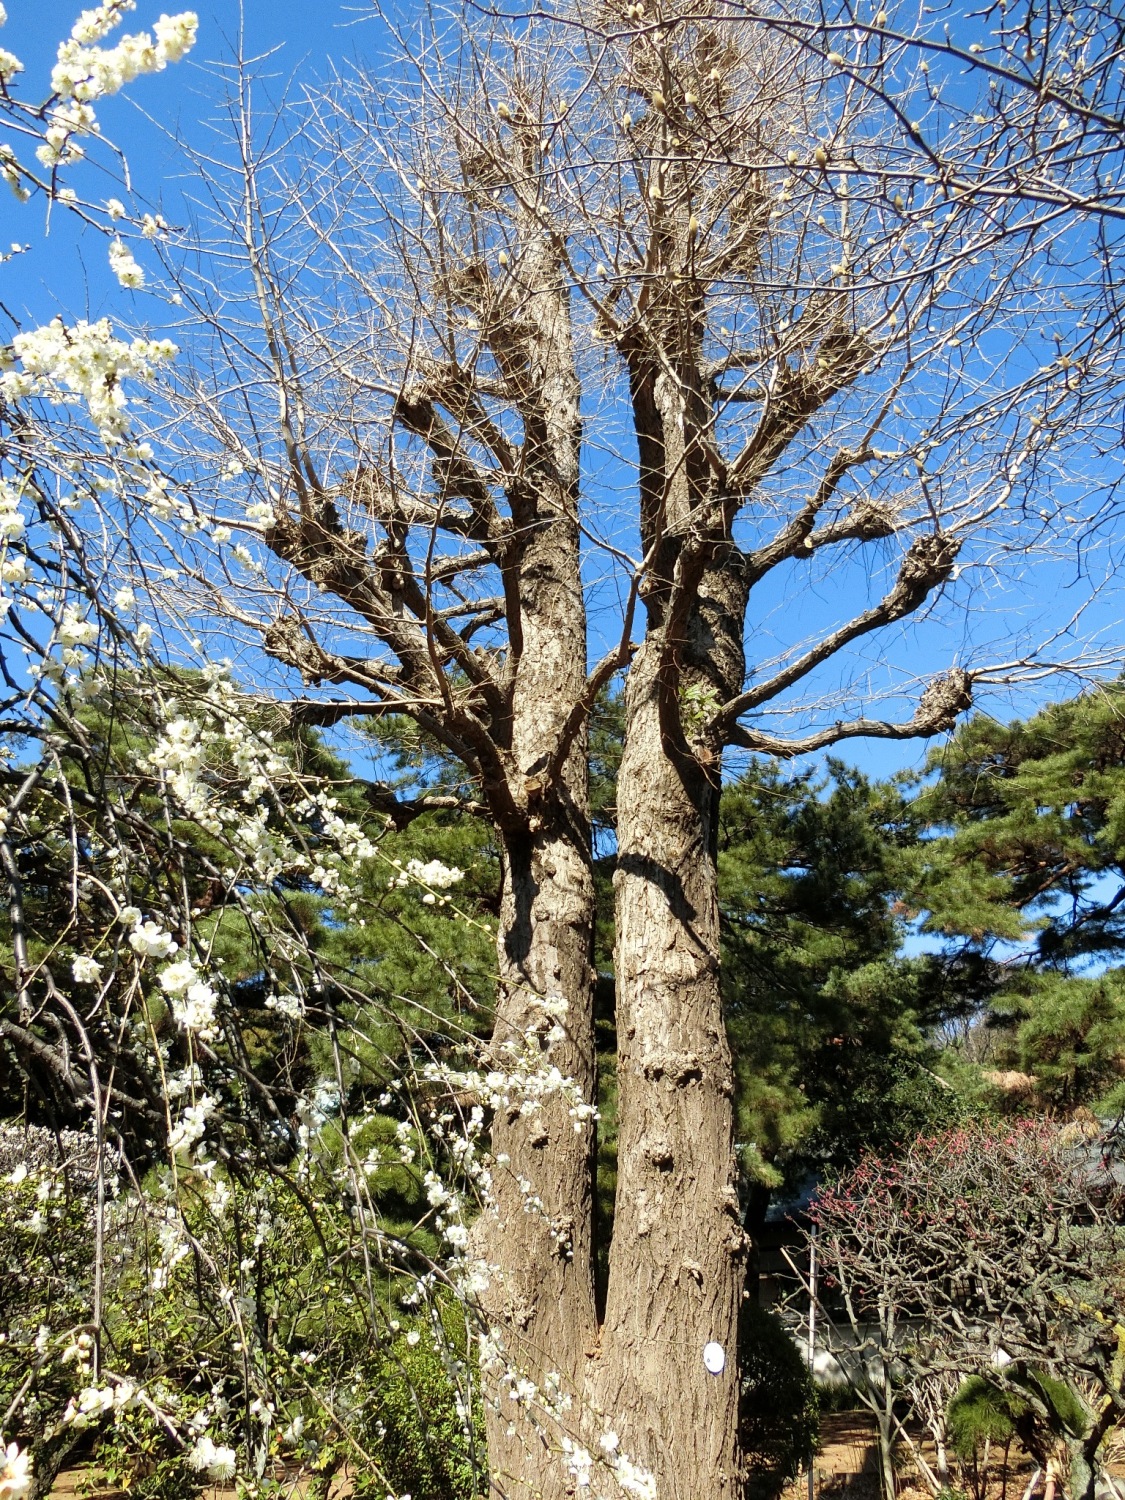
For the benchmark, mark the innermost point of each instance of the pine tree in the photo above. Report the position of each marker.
(1025, 870)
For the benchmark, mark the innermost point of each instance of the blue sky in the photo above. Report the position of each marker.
(69, 274)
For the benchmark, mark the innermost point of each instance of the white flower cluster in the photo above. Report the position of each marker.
(190, 1128)
(10, 65)
(552, 1401)
(528, 1083)
(89, 362)
(219, 1462)
(630, 1476)
(173, 1245)
(432, 874)
(86, 970)
(181, 756)
(148, 939)
(291, 1006)
(181, 753)
(15, 1473)
(123, 265)
(69, 120)
(75, 629)
(99, 1401)
(84, 71)
(193, 999)
(93, 25)
(11, 521)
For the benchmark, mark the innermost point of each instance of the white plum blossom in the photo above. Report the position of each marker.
(75, 630)
(436, 1191)
(15, 1473)
(157, 498)
(431, 873)
(86, 970)
(195, 1010)
(9, 167)
(526, 1085)
(175, 35)
(59, 147)
(219, 1462)
(10, 65)
(11, 521)
(98, 1401)
(92, 25)
(193, 999)
(85, 71)
(287, 1005)
(191, 1125)
(87, 361)
(124, 266)
(151, 941)
(578, 1461)
(177, 977)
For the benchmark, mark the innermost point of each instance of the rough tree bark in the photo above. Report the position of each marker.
(542, 1295)
(677, 1258)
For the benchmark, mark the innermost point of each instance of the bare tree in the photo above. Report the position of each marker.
(452, 317)
(994, 1252)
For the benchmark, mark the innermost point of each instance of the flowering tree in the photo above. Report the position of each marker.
(993, 1252)
(175, 873)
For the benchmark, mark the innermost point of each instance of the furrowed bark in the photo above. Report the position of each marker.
(538, 1234)
(677, 1261)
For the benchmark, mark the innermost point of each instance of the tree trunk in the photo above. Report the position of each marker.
(1083, 1469)
(538, 1233)
(678, 1252)
(887, 1450)
(537, 1236)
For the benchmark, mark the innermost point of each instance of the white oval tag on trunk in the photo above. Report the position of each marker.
(714, 1358)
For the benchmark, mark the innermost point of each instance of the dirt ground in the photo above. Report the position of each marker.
(847, 1465)
(846, 1468)
(80, 1484)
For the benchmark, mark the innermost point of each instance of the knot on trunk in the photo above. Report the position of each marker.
(285, 640)
(928, 563)
(946, 698)
(872, 519)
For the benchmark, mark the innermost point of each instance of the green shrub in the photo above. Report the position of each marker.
(420, 1440)
(980, 1412)
(778, 1407)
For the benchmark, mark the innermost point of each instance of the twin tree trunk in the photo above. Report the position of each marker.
(677, 1258)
